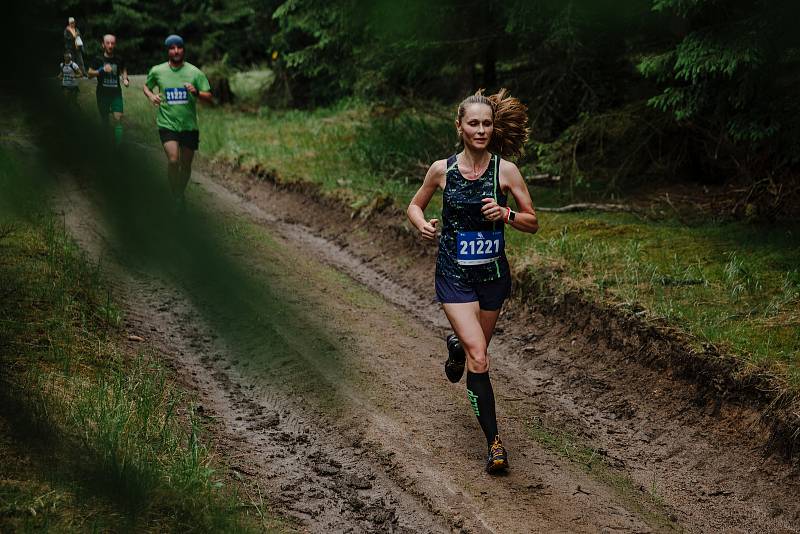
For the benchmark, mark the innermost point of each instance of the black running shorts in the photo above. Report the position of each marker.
(187, 139)
(489, 295)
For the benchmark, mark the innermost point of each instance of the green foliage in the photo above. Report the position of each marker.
(684, 8)
(57, 330)
(572, 57)
(425, 49)
(402, 144)
(250, 87)
(314, 45)
(240, 29)
(609, 153)
(732, 74)
(112, 427)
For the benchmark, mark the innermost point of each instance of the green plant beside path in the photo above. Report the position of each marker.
(92, 437)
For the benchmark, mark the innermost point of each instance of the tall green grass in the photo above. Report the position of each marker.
(401, 145)
(732, 284)
(110, 441)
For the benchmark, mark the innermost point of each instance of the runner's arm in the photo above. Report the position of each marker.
(204, 89)
(434, 180)
(125, 79)
(150, 83)
(154, 98)
(202, 95)
(93, 73)
(525, 219)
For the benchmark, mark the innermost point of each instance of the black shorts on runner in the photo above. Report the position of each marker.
(187, 138)
(489, 295)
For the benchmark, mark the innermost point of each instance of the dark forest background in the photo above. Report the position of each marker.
(704, 89)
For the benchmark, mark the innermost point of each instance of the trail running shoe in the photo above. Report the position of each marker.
(454, 366)
(498, 457)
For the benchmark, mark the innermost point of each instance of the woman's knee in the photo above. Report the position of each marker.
(477, 359)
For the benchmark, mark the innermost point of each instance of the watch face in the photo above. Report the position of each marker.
(511, 215)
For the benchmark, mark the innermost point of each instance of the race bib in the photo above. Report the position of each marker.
(477, 248)
(176, 95)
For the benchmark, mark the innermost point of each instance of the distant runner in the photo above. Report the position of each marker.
(69, 74)
(73, 43)
(108, 69)
(473, 278)
(181, 85)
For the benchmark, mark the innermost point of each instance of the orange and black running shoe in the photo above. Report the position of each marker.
(498, 457)
(454, 366)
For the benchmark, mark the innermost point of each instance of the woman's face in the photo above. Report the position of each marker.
(476, 126)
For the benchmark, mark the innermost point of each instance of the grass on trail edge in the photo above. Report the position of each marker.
(93, 437)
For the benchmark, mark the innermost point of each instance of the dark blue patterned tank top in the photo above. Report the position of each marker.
(471, 248)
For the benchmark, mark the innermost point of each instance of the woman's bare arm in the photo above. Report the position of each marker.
(434, 179)
(525, 219)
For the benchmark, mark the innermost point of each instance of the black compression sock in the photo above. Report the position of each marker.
(481, 397)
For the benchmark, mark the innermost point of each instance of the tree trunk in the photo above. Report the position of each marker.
(490, 65)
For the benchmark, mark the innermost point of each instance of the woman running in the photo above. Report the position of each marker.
(472, 273)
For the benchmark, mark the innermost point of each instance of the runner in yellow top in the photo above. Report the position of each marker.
(179, 86)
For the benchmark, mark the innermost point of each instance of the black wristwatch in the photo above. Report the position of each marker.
(511, 215)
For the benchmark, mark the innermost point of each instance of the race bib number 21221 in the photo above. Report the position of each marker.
(477, 248)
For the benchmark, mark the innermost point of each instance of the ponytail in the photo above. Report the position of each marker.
(510, 117)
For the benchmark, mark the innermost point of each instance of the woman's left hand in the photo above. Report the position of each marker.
(491, 210)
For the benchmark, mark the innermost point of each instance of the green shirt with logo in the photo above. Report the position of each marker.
(178, 109)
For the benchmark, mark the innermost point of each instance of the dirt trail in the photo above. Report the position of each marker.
(406, 453)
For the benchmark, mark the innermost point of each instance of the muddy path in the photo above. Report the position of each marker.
(401, 450)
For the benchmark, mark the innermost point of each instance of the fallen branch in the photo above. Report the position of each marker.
(585, 206)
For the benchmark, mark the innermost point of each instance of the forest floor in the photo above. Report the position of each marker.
(370, 436)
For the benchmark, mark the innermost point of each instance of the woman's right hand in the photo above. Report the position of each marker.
(428, 230)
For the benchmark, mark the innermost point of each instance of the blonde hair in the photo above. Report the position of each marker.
(510, 117)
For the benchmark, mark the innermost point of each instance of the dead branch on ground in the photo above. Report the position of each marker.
(587, 206)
